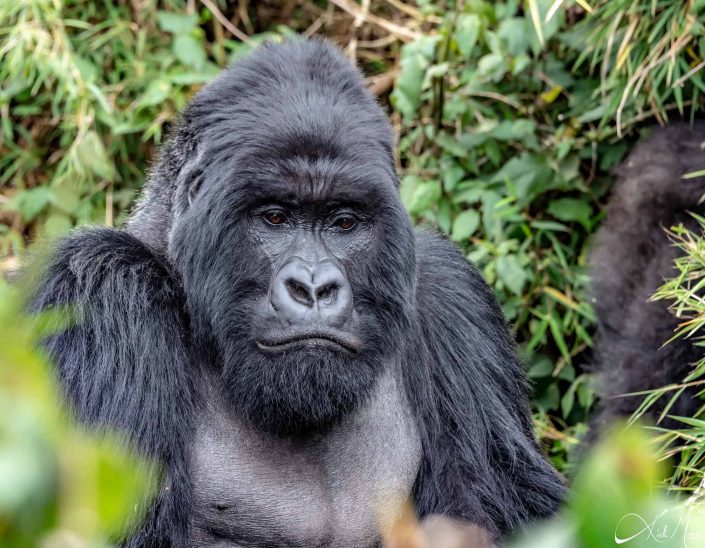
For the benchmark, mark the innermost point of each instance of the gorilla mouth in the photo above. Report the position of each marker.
(315, 338)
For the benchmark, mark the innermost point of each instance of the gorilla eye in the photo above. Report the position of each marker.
(275, 217)
(345, 222)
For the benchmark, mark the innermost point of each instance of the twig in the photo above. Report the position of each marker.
(381, 83)
(109, 206)
(403, 33)
(608, 53)
(688, 74)
(359, 18)
(677, 46)
(236, 32)
(623, 49)
(317, 24)
(244, 16)
(552, 10)
(379, 43)
(413, 12)
(498, 97)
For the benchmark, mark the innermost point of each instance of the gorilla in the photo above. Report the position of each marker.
(270, 327)
(631, 258)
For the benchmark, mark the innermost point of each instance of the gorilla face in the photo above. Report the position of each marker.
(299, 268)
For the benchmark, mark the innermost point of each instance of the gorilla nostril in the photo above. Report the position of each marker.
(326, 294)
(299, 292)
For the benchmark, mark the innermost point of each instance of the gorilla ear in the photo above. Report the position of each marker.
(189, 182)
(194, 187)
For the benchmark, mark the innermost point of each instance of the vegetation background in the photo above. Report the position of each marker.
(510, 116)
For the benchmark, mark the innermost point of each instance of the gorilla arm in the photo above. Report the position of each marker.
(124, 361)
(481, 462)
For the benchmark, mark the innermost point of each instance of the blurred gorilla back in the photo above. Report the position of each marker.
(631, 257)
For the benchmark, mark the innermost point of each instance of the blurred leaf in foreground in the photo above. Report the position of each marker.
(617, 500)
(59, 485)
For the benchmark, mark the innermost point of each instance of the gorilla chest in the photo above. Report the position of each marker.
(341, 489)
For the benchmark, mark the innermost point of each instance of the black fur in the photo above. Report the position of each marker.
(631, 258)
(126, 362)
(180, 286)
(481, 462)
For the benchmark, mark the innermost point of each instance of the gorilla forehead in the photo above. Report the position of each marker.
(305, 179)
(296, 102)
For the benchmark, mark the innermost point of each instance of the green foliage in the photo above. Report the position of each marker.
(507, 141)
(683, 294)
(645, 53)
(613, 501)
(87, 89)
(58, 484)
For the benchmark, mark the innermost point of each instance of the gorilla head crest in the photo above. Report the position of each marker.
(278, 203)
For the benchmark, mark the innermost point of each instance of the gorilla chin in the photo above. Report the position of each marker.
(299, 383)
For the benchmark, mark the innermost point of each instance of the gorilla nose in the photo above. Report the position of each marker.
(303, 292)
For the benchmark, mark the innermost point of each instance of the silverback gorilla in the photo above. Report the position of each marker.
(631, 258)
(271, 327)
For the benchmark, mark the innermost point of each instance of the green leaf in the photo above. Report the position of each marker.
(541, 368)
(190, 78)
(694, 174)
(571, 209)
(492, 65)
(511, 273)
(57, 224)
(586, 395)
(530, 175)
(123, 481)
(407, 187)
(515, 34)
(466, 32)
(452, 174)
(568, 400)
(30, 202)
(444, 216)
(418, 195)
(424, 196)
(469, 192)
(611, 155)
(176, 23)
(189, 51)
(451, 144)
(407, 90)
(549, 225)
(156, 93)
(465, 225)
(614, 493)
(514, 130)
(415, 59)
(92, 155)
(66, 198)
(550, 399)
(491, 224)
(557, 333)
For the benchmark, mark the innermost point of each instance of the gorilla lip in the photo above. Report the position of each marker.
(318, 338)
